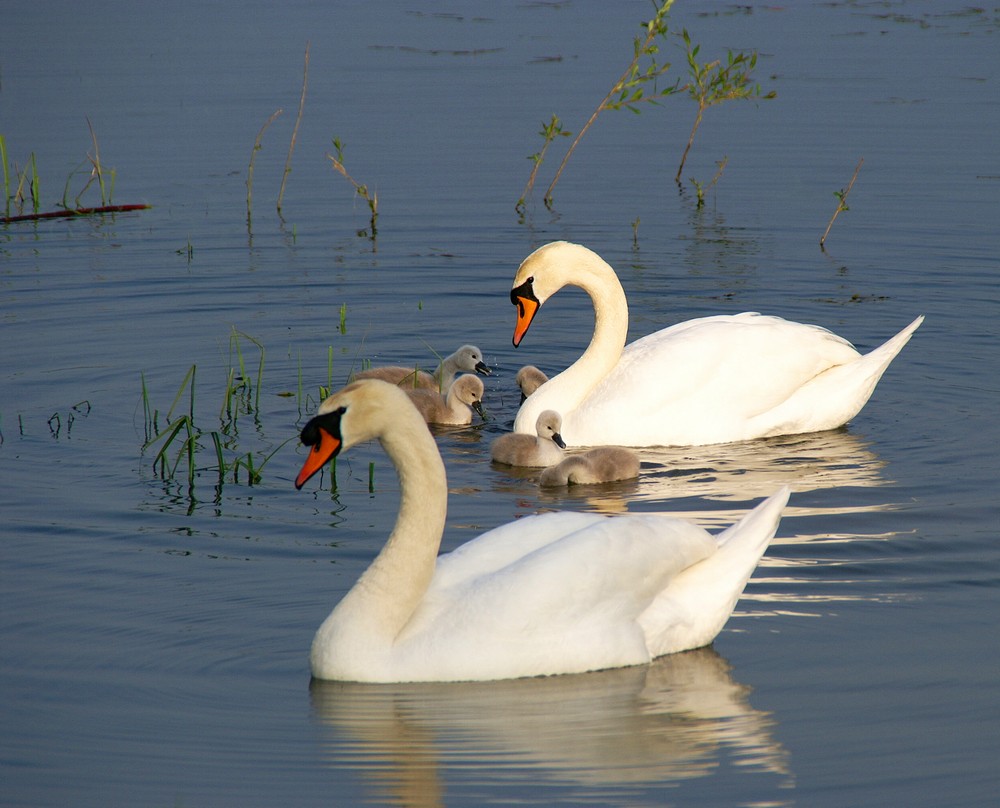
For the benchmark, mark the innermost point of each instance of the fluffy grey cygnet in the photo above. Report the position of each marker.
(604, 464)
(468, 358)
(532, 451)
(455, 409)
(529, 379)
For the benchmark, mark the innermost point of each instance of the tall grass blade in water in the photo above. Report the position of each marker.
(36, 188)
(98, 169)
(295, 131)
(361, 190)
(183, 436)
(6, 175)
(253, 157)
(701, 189)
(173, 430)
(30, 179)
(234, 344)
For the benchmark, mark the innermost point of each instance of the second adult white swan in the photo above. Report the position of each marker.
(559, 592)
(710, 380)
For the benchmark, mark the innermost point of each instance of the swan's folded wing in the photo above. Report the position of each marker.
(704, 378)
(505, 545)
(570, 605)
(750, 360)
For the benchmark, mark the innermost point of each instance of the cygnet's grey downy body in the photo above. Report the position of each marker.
(545, 448)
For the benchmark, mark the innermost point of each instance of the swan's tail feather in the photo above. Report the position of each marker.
(880, 358)
(698, 602)
(761, 522)
(835, 396)
(874, 363)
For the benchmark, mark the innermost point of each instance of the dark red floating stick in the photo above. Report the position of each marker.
(69, 213)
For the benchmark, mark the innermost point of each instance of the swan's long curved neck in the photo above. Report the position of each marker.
(599, 281)
(388, 592)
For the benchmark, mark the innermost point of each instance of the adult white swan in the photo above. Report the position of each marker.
(710, 380)
(554, 593)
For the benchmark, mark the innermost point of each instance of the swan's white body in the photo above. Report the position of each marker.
(454, 408)
(605, 464)
(710, 380)
(544, 448)
(467, 359)
(555, 593)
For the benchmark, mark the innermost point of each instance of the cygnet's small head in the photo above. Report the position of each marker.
(549, 425)
(469, 357)
(529, 379)
(470, 390)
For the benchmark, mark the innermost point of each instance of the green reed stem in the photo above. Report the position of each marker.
(6, 175)
(253, 158)
(36, 191)
(295, 130)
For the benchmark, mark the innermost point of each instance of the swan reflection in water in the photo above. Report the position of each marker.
(678, 718)
(729, 472)
(834, 475)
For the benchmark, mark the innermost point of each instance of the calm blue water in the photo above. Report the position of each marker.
(154, 633)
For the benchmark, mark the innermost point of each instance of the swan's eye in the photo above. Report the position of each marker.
(328, 421)
(524, 291)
